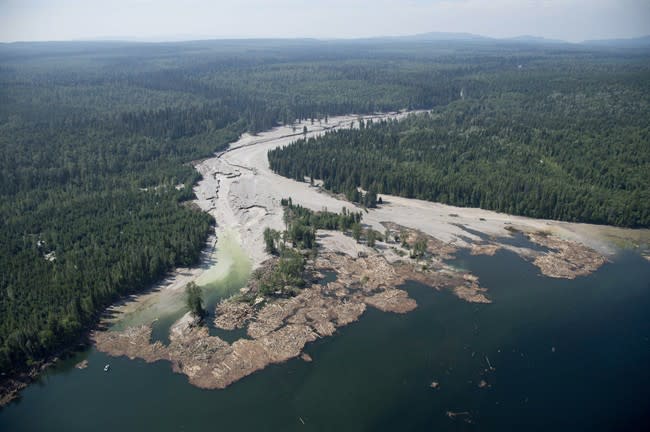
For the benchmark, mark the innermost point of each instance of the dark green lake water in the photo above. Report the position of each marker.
(568, 355)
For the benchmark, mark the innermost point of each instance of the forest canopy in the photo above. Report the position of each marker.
(539, 143)
(97, 141)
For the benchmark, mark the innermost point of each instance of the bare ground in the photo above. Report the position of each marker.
(565, 259)
(279, 328)
(243, 195)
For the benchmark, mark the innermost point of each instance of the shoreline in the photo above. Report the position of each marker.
(243, 195)
(279, 328)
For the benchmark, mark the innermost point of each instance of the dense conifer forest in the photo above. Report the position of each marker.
(544, 141)
(97, 139)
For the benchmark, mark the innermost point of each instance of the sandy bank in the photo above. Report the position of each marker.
(241, 191)
(278, 329)
(243, 195)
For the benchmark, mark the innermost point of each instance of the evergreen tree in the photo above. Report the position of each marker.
(371, 236)
(194, 300)
(419, 248)
(356, 231)
(271, 237)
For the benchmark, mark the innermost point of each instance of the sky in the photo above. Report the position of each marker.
(571, 20)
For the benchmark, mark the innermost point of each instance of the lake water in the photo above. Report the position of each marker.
(566, 356)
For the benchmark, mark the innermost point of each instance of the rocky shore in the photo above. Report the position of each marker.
(241, 192)
(566, 259)
(278, 329)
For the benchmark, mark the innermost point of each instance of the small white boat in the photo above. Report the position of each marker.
(107, 368)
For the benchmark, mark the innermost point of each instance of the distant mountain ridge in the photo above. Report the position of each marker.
(535, 39)
(446, 36)
(636, 42)
(471, 37)
(639, 42)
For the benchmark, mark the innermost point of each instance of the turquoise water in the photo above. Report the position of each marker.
(227, 270)
(567, 355)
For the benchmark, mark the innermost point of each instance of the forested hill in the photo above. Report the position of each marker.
(558, 143)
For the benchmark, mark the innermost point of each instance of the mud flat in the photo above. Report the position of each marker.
(278, 329)
(484, 249)
(566, 259)
(243, 195)
(473, 294)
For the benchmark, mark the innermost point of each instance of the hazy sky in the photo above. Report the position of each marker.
(573, 20)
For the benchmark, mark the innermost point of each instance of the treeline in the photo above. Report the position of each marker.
(93, 208)
(545, 150)
(286, 276)
(96, 142)
(302, 224)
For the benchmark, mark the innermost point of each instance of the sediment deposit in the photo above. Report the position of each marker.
(243, 195)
